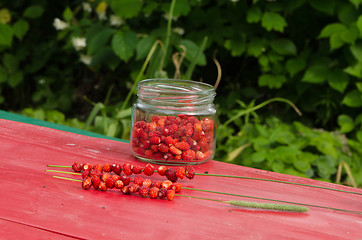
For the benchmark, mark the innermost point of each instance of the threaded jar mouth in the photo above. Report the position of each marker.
(175, 92)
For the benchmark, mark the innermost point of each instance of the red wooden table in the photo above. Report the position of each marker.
(38, 206)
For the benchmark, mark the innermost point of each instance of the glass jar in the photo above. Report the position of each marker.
(173, 122)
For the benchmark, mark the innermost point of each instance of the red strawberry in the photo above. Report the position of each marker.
(85, 174)
(171, 175)
(98, 167)
(77, 167)
(133, 188)
(102, 186)
(137, 169)
(109, 182)
(143, 191)
(155, 140)
(176, 187)
(170, 141)
(162, 170)
(189, 172)
(107, 167)
(116, 177)
(86, 166)
(188, 155)
(125, 190)
(125, 179)
(162, 148)
(94, 172)
(174, 150)
(183, 145)
(180, 173)
(148, 169)
(157, 184)
(95, 182)
(147, 182)
(87, 183)
(118, 184)
(149, 153)
(138, 180)
(199, 155)
(166, 184)
(105, 176)
(117, 168)
(153, 193)
(170, 195)
(162, 193)
(127, 169)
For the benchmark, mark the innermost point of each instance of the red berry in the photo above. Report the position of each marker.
(94, 172)
(157, 184)
(199, 155)
(148, 169)
(162, 170)
(197, 127)
(125, 190)
(102, 186)
(105, 176)
(162, 148)
(138, 180)
(87, 183)
(166, 184)
(180, 173)
(125, 179)
(133, 188)
(175, 151)
(147, 182)
(86, 166)
(154, 148)
(155, 140)
(188, 155)
(110, 182)
(170, 141)
(127, 169)
(162, 193)
(207, 124)
(118, 184)
(85, 174)
(189, 172)
(107, 167)
(77, 167)
(183, 145)
(116, 177)
(171, 175)
(176, 187)
(137, 169)
(170, 195)
(149, 153)
(143, 191)
(98, 167)
(117, 168)
(95, 182)
(153, 193)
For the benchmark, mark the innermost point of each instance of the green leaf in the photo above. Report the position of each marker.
(126, 8)
(3, 74)
(347, 14)
(10, 62)
(253, 14)
(350, 35)
(6, 35)
(255, 47)
(283, 46)
(20, 28)
(356, 51)
(144, 46)
(182, 7)
(191, 51)
(353, 99)
(273, 21)
(355, 70)
(34, 11)
(258, 157)
(338, 80)
(326, 166)
(67, 14)
(356, 3)
(99, 40)
(124, 44)
(236, 45)
(326, 6)
(315, 74)
(336, 41)
(15, 79)
(346, 123)
(295, 65)
(301, 165)
(271, 81)
(331, 29)
(359, 135)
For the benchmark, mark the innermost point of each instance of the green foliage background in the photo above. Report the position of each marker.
(306, 51)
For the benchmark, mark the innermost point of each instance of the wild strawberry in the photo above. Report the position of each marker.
(162, 193)
(162, 148)
(116, 177)
(153, 192)
(204, 144)
(176, 187)
(137, 169)
(149, 153)
(151, 126)
(170, 141)
(94, 172)
(118, 184)
(127, 169)
(188, 155)
(166, 184)
(125, 190)
(85, 174)
(197, 127)
(102, 186)
(180, 173)
(189, 172)
(140, 150)
(189, 131)
(199, 155)
(125, 179)
(86, 166)
(198, 135)
(143, 191)
(86, 183)
(158, 155)
(133, 188)
(154, 148)
(98, 167)
(145, 144)
(138, 180)
(171, 175)
(147, 182)
(140, 124)
(95, 182)
(109, 182)
(154, 134)
(107, 167)
(157, 184)
(183, 145)
(77, 167)
(162, 170)
(207, 124)
(170, 194)
(143, 135)
(175, 151)
(117, 168)
(155, 140)
(168, 156)
(105, 176)
(148, 169)
(177, 157)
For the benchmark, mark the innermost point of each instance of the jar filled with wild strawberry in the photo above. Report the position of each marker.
(173, 122)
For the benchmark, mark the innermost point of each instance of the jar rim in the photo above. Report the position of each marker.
(181, 85)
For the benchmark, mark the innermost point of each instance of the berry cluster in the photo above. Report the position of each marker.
(183, 138)
(128, 169)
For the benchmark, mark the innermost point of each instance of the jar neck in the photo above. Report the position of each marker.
(175, 93)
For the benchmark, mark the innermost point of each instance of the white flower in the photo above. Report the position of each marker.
(79, 43)
(116, 21)
(59, 24)
(178, 30)
(102, 15)
(86, 59)
(234, 0)
(87, 7)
